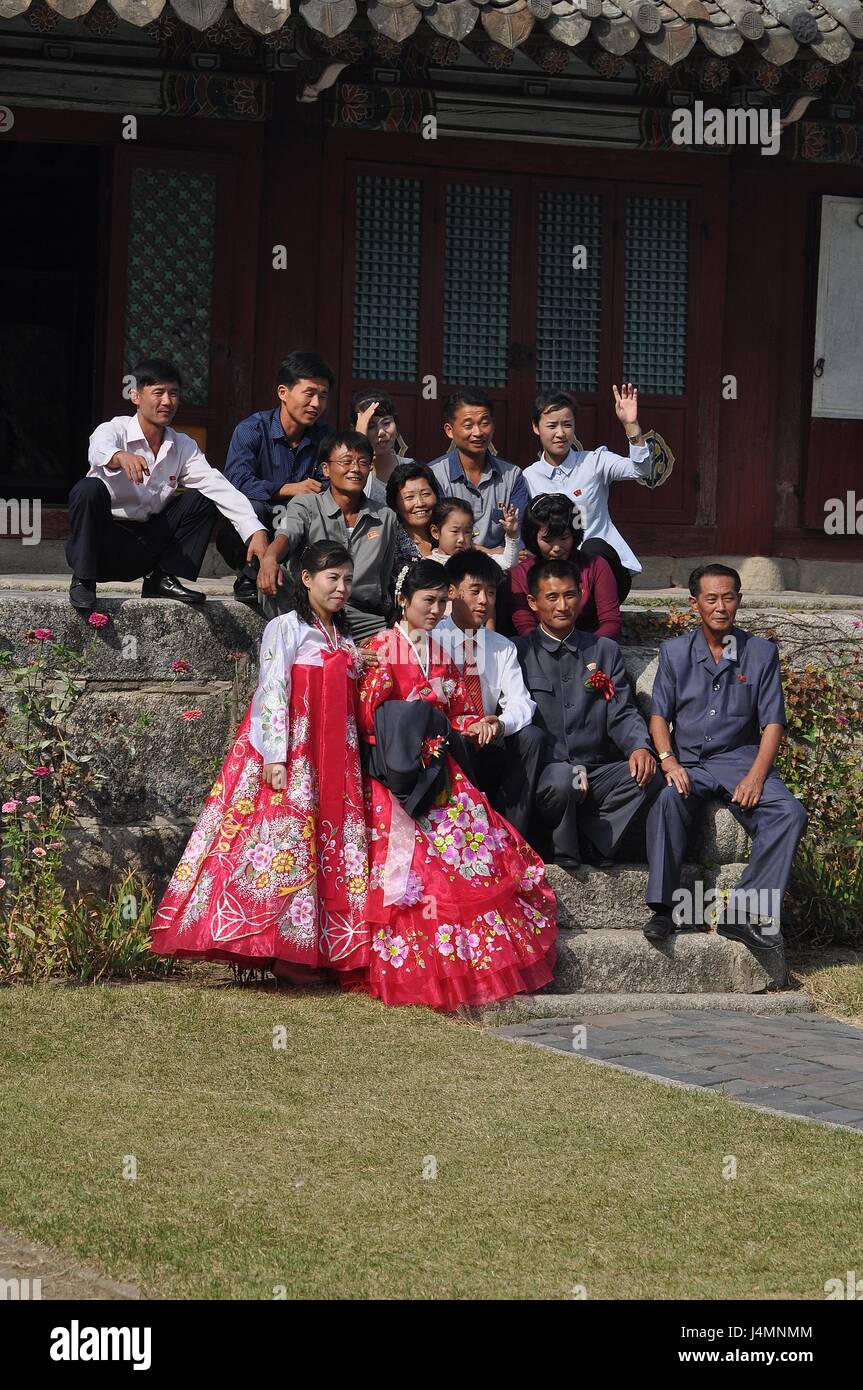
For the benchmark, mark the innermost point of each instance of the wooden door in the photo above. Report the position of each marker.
(170, 276)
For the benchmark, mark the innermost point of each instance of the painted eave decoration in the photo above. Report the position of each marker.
(777, 30)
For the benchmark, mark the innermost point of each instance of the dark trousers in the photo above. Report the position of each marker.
(775, 825)
(508, 773)
(231, 545)
(622, 576)
(613, 800)
(103, 547)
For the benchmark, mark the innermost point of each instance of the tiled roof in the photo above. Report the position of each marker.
(778, 30)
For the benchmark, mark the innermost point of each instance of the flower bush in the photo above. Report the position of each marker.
(44, 931)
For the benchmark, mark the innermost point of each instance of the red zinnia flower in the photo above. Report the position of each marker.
(40, 634)
(41, 772)
(181, 664)
(98, 620)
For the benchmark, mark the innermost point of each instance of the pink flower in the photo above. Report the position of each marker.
(261, 857)
(2, 883)
(841, 720)
(41, 634)
(56, 844)
(467, 944)
(98, 620)
(70, 804)
(392, 949)
(191, 714)
(9, 807)
(31, 799)
(443, 939)
(39, 852)
(303, 913)
(41, 772)
(181, 664)
(857, 622)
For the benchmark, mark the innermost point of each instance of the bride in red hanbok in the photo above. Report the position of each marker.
(275, 872)
(458, 905)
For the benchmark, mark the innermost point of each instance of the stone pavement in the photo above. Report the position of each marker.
(803, 1065)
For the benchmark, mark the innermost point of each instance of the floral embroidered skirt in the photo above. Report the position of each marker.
(458, 905)
(281, 875)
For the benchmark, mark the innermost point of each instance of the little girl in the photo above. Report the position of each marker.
(275, 873)
(452, 525)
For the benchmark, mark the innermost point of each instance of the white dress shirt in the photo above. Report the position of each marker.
(500, 677)
(585, 477)
(179, 463)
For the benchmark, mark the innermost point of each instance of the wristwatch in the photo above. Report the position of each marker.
(663, 756)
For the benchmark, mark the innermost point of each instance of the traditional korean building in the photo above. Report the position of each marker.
(444, 193)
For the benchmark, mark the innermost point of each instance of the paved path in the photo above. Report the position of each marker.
(31, 1271)
(802, 1064)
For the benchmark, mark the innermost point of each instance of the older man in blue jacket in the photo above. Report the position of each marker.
(717, 722)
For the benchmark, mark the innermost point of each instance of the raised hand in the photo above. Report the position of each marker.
(365, 417)
(626, 404)
(509, 521)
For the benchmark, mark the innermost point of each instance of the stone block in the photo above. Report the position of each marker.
(613, 899)
(656, 572)
(143, 636)
(623, 962)
(98, 855)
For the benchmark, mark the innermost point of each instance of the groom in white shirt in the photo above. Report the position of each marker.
(126, 520)
(507, 750)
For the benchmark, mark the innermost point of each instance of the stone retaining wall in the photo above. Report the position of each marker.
(159, 766)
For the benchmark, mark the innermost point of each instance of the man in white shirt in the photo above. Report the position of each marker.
(126, 519)
(507, 749)
(585, 476)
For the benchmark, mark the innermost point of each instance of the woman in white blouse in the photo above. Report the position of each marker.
(275, 873)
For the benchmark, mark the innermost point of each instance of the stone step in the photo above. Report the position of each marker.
(562, 1007)
(622, 961)
(592, 899)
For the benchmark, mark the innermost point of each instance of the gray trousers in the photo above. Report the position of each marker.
(602, 816)
(775, 827)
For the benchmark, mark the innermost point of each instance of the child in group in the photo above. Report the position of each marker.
(452, 527)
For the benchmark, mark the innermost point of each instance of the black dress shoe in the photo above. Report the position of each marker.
(82, 594)
(659, 928)
(246, 590)
(750, 935)
(567, 861)
(158, 585)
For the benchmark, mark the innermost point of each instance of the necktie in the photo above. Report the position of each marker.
(473, 686)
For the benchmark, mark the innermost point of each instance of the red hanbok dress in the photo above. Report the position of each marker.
(281, 875)
(458, 905)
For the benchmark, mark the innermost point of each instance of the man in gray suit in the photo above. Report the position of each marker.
(599, 771)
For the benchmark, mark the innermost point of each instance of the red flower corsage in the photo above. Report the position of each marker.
(741, 677)
(432, 748)
(601, 683)
(577, 492)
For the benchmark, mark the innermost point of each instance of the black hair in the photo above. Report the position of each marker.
(408, 473)
(472, 564)
(156, 371)
(300, 366)
(446, 506)
(468, 395)
(350, 439)
(422, 574)
(553, 513)
(550, 569)
(552, 400)
(361, 400)
(725, 571)
(322, 555)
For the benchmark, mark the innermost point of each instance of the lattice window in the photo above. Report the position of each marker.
(387, 283)
(657, 293)
(169, 296)
(476, 285)
(568, 297)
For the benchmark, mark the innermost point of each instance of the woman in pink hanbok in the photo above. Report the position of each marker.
(275, 873)
(458, 904)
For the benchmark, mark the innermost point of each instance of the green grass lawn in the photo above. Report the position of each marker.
(260, 1167)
